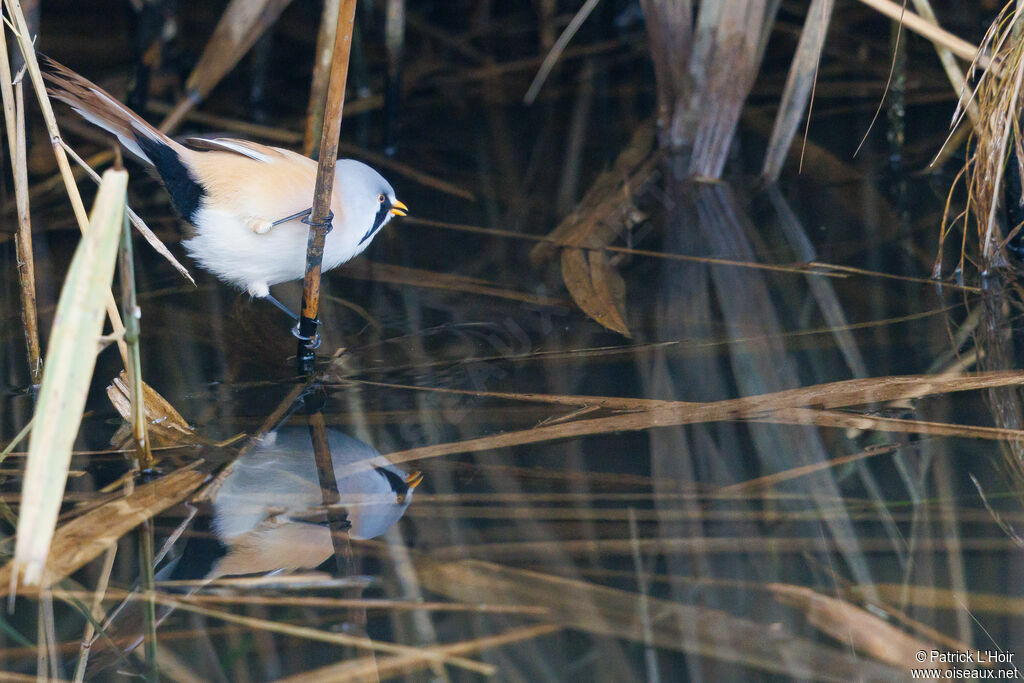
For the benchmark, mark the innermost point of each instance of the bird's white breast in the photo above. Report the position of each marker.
(241, 191)
(225, 245)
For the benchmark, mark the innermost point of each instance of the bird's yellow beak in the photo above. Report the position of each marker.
(399, 209)
(414, 479)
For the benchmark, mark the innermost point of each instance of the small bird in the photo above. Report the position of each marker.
(245, 200)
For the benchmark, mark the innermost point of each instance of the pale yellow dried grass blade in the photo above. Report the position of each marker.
(913, 22)
(71, 358)
(305, 632)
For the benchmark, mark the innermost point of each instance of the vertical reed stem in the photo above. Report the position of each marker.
(394, 38)
(133, 316)
(148, 587)
(320, 217)
(336, 519)
(23, 244)
(28, 51)
(321, 75)
(14, 119)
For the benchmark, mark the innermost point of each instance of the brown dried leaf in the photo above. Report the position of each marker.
(84, 538)
(601, 214)
(166, 425)
(592, 283)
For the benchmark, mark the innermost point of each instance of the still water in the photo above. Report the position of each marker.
(524, 492)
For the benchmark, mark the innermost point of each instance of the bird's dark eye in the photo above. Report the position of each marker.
(381, 198)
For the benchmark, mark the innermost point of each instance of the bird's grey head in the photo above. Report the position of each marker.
(369, 198)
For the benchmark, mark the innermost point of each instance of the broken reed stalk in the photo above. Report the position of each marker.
(320, 217)
(14, 121)
(21, 31)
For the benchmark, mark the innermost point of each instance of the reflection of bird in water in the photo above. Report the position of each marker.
(263, 507)
(260, 515)
(260, 507)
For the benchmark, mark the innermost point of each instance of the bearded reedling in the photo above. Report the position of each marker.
(245, 201)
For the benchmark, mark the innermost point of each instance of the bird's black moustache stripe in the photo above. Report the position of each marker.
(397, 483)
(378, 220)
(186, 193)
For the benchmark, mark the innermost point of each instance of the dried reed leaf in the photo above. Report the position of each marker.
(995, 142)
(770, 480)
(609, 285)
(372, 669)
(799, 86)
(854, 626)
(858, 421)
(597, 220)
(166, 425)
(241, 24)
(646, 416)
(675, 626)
(590, 282)
(85, 537)
(71, 358)
(605, 212)
(13, 677)
(773, 546)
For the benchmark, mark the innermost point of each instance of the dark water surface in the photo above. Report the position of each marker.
(580, 524)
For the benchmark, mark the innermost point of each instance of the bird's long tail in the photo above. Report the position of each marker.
(98, 107)
(171, 159)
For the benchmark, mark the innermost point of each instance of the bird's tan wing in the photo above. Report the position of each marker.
(253, 150)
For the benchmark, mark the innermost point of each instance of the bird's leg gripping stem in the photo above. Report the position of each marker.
(307, 330)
